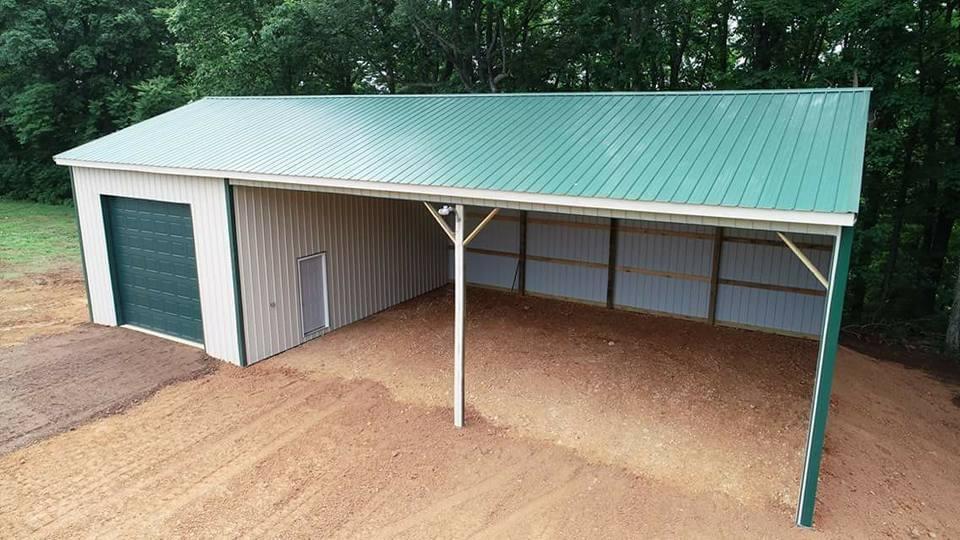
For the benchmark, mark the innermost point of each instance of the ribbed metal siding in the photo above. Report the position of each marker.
(591, 245)
(775, 265)
(663, 253)
(502, 236)
(642, 245)
(380, 252)
(208, 207)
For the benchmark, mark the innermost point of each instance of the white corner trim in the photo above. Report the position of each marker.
(386, 189)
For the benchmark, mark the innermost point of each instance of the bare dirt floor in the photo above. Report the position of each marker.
(40, 304)
(55, 383)
(582, 422)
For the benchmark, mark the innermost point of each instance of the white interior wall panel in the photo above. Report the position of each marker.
(773, 265)
(778, 310)
(380, 252)
(501, 236)
(677, 281)
(686, 255)
(208, 209)
(554, 240)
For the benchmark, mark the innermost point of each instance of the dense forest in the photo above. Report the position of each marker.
(71, 70)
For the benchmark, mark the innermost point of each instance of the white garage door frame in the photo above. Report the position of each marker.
(207, 198)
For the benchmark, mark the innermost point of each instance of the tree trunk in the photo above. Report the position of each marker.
(890, 265)
(899, 212)
(723, 21)
(953, 326)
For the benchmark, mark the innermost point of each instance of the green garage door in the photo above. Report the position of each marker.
(154, 266)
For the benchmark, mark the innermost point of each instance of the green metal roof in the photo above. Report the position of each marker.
(780, 149)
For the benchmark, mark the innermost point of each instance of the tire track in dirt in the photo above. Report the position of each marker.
(505, 524)
(271, 451)
(241, 464)
(450, 503)
(214, 451)
(36, 305)
(57, 382)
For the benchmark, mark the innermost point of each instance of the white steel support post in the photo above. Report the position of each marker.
(460, 293)
(460, 241)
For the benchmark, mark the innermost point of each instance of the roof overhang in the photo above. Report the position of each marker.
(754, 218)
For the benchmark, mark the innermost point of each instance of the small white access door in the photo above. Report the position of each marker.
(314, 305)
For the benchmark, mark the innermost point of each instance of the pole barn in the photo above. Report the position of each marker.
(249, 225)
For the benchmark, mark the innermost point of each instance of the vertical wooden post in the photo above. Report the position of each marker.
(522, 256)
(823, 381)
(459, 315)
(715, 274)
(612, 261)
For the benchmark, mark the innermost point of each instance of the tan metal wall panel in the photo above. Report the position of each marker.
(208, 209)
(380, 252)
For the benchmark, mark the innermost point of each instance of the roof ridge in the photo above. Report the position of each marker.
(758, 91)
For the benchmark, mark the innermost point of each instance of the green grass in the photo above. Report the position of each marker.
(37, 238)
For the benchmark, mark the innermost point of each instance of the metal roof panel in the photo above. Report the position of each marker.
(769, 149)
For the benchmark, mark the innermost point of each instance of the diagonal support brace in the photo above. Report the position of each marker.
(805, 260)
(481, 225)
(451, 234)
(456, 235)
(443, 224)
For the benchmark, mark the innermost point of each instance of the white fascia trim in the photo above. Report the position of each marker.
(699, 210)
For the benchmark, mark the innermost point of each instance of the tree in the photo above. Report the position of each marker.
(70, 71)
(953, 325)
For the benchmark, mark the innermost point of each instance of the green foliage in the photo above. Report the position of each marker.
(73, 70)
(69, 72)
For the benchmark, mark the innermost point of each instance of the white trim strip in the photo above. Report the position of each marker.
(164, 336)
(802, 228)
(385, 189)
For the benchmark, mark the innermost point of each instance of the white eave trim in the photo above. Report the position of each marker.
(678, 209)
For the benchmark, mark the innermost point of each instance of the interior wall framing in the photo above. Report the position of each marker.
(661, 267)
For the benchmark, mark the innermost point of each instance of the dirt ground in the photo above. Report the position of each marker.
(40, 304)
(55, 383)
(582, 423)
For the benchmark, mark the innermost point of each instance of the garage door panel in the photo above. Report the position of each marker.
(155, 269)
